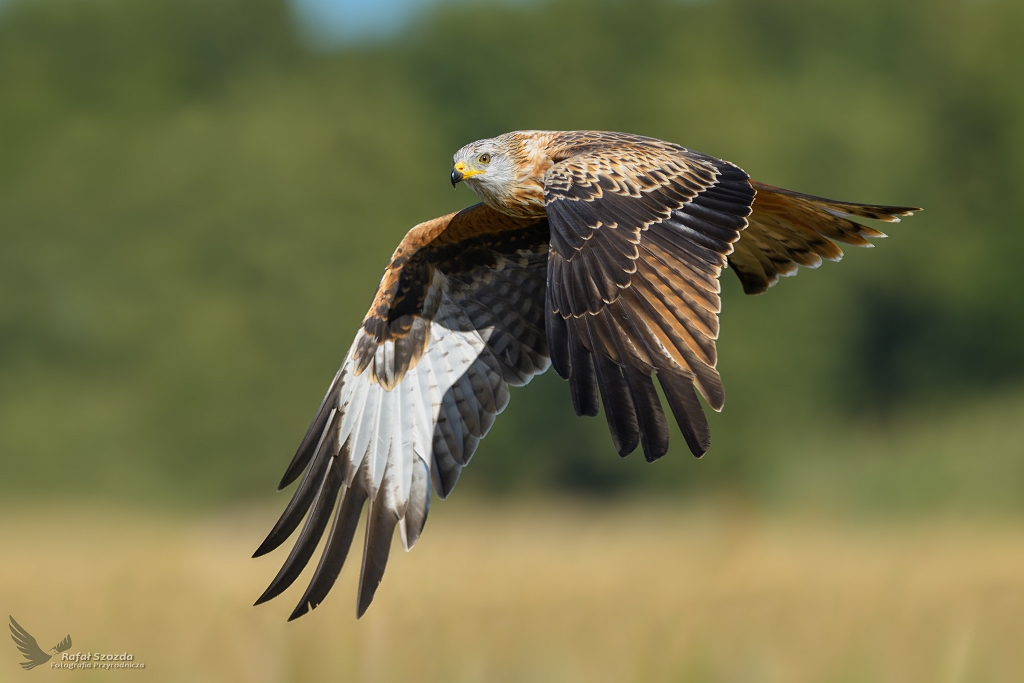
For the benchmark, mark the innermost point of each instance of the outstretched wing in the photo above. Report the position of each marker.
(457, 318)
(63, 645)
(787, 229)
(640, 230)
(27, 645)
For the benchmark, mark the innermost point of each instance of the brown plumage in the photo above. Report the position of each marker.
(597, 253)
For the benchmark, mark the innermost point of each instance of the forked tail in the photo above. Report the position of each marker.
(786, 229)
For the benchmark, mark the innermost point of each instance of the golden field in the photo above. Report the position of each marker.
(533, 591)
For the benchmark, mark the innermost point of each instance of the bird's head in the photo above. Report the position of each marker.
(489, 167)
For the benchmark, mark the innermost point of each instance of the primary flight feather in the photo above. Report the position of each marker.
(598, 253)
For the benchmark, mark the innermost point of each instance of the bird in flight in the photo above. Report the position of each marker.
(596, 253)
(26, 643)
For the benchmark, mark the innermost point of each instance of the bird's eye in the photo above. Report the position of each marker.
(484, 159)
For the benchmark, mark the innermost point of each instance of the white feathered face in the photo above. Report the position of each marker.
(487, 167)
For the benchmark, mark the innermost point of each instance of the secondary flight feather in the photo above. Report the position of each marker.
(596, 253)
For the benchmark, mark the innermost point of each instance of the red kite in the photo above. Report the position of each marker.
(597, 253)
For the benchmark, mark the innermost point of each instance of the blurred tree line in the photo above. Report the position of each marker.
(195, 207)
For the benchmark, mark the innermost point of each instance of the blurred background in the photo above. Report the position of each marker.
(197, 198)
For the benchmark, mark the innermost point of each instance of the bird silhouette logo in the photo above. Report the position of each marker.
(28, 646)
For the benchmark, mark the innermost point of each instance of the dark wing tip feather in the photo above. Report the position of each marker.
(582, 379)
(686, 408)
(380, 529)
(751, 286)
(653, 426)
(654, 435)
(310, 536)
(310, 441)
(339, 543)
(304, 495)
(556, 330)
(619, 411)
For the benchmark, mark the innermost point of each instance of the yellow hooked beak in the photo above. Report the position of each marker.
(459, 173)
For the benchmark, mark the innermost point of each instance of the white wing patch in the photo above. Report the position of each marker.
(390, 428)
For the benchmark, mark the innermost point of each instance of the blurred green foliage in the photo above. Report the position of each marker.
(195, 209)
